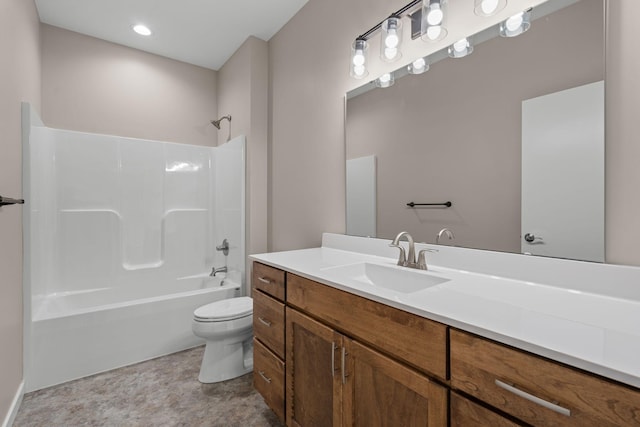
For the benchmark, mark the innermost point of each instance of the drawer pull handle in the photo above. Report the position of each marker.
(263, 280)
(535, 399)
(264, 322)
(264, 377)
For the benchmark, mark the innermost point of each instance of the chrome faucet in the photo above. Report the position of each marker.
(445, 231)
(410, 259)
(215, 271)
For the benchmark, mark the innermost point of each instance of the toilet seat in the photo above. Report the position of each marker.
(221, 311)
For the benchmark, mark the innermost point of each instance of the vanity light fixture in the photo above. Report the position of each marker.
(418, 66)
(489, 7)
(391, 29)
(461, 48)
(391, 33)
(434, 16)
(516, 24)
(359, 58)
(385, 80)
(141, 29)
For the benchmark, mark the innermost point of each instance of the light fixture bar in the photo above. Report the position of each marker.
(397, 13)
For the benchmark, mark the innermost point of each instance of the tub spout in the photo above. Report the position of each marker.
(215, 271)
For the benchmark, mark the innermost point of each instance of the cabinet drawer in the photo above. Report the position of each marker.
(269, 280)
(405, 336)
(536, 390)
(268, 322)
(268, 377)
(465, 413)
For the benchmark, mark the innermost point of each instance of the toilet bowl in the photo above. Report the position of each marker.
(227, 327)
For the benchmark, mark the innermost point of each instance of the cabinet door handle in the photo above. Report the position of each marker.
(535, 399)
(333, 359)
(263, 280)
(264, 377)
(264, 322)
(344, 365)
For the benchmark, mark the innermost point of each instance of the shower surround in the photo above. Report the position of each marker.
(120, 237)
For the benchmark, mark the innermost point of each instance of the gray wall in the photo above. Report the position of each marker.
(623, 144)
(454, 132)
(19, 81)
(243, 93)
(309, 67)
(96, 86)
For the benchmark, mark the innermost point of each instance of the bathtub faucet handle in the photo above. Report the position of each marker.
(224, 247)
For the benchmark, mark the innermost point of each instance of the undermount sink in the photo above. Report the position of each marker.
(400, 279)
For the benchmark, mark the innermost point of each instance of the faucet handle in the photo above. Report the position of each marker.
(402, 260)
(224, 247)
(422, 260)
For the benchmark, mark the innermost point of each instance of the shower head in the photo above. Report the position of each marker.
(216, 123)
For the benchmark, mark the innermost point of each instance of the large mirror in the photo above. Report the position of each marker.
(512, 136)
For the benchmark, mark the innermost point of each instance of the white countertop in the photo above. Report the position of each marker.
(592, 331)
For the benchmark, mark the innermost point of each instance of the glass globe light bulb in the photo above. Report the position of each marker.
(514, 22)
(392, 39)
(390, 53)
(358, 58)
(435, 14)
(489, 6)
(419, 64)
(460, 45)
(433, 33)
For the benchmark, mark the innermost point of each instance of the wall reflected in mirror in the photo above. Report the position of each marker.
(455, 134)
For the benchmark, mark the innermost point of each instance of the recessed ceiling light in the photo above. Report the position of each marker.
(143, 30)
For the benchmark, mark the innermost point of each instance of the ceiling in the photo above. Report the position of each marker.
(199, 32)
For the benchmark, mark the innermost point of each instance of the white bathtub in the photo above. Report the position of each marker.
(76, 334)
(113, 226)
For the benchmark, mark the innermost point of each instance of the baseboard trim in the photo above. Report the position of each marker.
(15, 406)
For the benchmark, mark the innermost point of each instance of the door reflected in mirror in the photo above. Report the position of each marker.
(455, 133)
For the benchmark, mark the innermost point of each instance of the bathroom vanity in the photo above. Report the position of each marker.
(343, 336)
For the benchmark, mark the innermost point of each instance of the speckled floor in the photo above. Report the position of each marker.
(159, 392)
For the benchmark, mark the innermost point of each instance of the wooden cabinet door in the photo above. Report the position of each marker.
(314, 393)
(381, 392)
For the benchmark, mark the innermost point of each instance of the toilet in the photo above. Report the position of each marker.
(227, 327)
